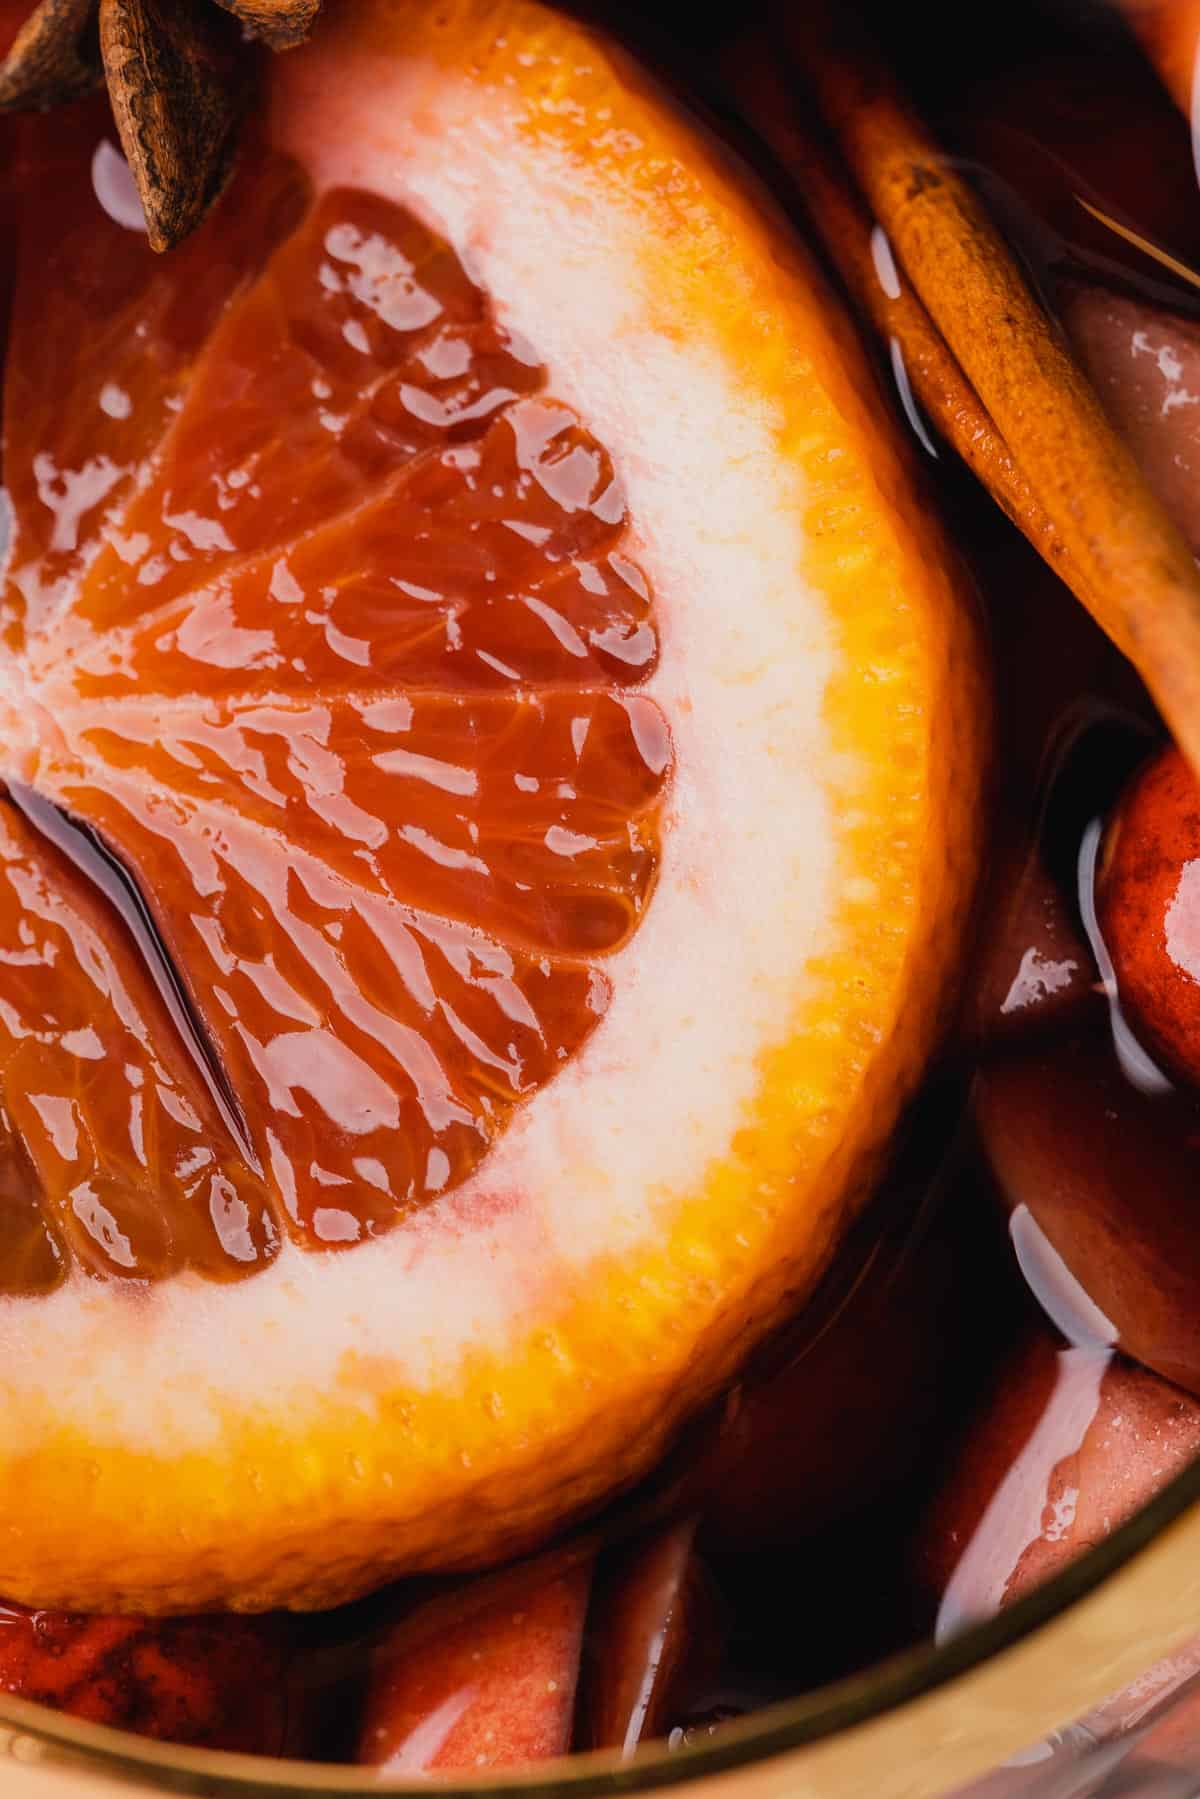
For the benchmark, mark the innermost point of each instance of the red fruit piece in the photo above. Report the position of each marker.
(655, 1638)
(1072, 1442)
(1109, 1174)
(474, 1682)
(1145, 364)
(1148, 906)
(215, 1683)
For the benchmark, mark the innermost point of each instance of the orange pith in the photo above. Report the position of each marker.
(322, 624)
(785, 703)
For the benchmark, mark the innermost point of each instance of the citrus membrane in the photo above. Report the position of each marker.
(328, 639)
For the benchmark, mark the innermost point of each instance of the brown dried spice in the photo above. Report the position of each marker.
(178, 93)
(178, 78)
(54, 56)
(279, 23)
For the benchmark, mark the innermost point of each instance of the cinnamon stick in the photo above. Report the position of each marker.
(862, 257)
(1136, 572)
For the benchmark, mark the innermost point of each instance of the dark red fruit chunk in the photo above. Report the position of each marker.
(654, 1638)
(1071, 1442)
(475, 1680)
(1109, 1174)
(1148, 904)
(214, 1683)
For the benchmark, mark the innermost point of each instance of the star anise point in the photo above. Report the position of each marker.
(177, 74)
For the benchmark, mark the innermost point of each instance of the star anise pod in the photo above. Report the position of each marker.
(178, 77)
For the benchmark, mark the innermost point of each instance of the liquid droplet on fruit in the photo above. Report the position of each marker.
(113, 183)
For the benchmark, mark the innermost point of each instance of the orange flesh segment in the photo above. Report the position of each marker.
(102, 1104)
(331, 779)
(102, 340)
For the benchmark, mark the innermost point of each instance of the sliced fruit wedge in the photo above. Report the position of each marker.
(1072, 1441)
(654, 1638)
(492, 737)
(464, 1683)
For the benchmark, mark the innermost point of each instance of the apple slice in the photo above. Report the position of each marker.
(656, 1638)
(1148, 903)
(1169, 1744)
(1108, 1172)
(1072, 1442)
(1145, 364)
(470, 1681)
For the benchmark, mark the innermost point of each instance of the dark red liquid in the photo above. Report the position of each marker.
(440, 714)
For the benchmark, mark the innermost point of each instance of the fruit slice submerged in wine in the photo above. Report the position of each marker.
(463, 1685)
(331, 666)
(477, 727)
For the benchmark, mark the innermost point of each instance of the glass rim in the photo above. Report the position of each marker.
(743, 1744)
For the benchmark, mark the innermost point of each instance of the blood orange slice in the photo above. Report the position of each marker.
(491, 749)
